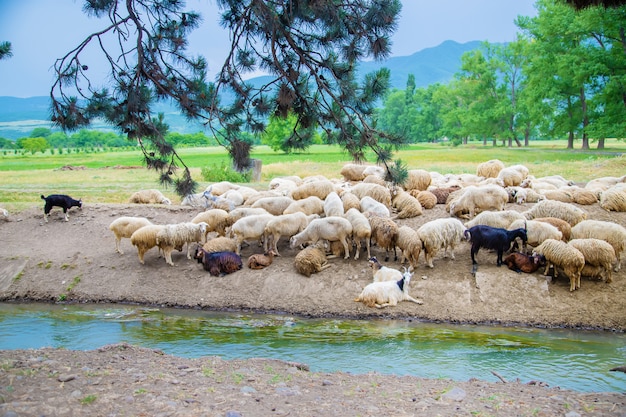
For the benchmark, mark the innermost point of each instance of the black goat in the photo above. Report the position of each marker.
(495, 238)
(520, 262)
(59, 200)
(219, 263)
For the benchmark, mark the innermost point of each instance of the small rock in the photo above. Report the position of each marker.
(572, 414)
(66, 377)
(455, 394)
(247, 390)
(233, 414)
(326, 383)
(424, 277)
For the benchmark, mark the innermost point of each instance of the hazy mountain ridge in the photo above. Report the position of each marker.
(19, 116)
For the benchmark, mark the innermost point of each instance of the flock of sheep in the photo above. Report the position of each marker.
(325, 218)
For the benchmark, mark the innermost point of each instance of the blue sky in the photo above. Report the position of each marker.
(41, 31)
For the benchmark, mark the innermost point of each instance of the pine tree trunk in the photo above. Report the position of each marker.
(600, 143)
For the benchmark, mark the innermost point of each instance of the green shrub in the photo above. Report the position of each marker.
(224, 172)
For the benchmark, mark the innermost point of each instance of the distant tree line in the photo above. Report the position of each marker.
(43, 139)
(563, 78)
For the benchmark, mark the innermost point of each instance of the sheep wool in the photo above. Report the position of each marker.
(387, 293)
(552, 208)
(501, 219)
(124, 227)
(144, 239)
(561, 255)
(320, 189)
(417, 179)
(216, 220)
(177, 235)
(597, 253)
(308, 206)
(490, 169)
(220, 244)
(610, 232)
(151, 196)
(410, 245)
(444, 233)
(361, 230)
(311, 260)
(327, 228)
(406, 204)
(427, 199)
(614, 198)
(384, 233)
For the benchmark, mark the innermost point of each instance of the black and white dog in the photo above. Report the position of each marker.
(59, 200)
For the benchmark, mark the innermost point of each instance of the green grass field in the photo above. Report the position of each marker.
(24, 177)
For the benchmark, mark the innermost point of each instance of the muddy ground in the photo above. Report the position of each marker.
(75, 261)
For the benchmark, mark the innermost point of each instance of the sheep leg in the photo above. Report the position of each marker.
(141, 252)
(473, 253)
(346, 248)
(414, 300)
(167, 252)
(358, 249)
(499, 259)
(325, 266)
(275, 240)
(117, 245)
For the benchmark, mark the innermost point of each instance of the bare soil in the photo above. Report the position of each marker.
(76, 262)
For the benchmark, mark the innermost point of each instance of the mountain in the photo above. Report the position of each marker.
(19, 116)
(430, 65)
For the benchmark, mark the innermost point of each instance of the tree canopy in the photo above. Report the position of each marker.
(309, 49)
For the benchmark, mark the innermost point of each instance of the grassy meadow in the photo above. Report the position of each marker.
(113, 176)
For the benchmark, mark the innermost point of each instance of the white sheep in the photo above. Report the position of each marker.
(610, 232)
(234, 196)
(603, 183)
(151, 196)
(511, 176)
(370, 205)
(614, 198)
(328, 228)
(273, 205)
(490, 169)
(384, 233)
(551, 208)
(247, 192)
(417, 179)
(382, 273)
(319, 188)
(562, 195)
(333, 206)
(220, 244)
(218, 202)
(501, 219)
(176, 235)
(216, 219)
(597, 253)
(4, 214)
(285, 225)
(311, 260)
(125, 227)
(520, 195)
(195, 200)
(427, 199)
(378, 192)
(583, 197)
(474, 200)
(410, 245)
(361, 230)
(144, 239)
(387, 293)
(308, 206)
(349, 201)
(241, 212)
(563, 226)
(353, 172)
(249, 228)
(282, 185)
(561, 255)
(536, 232)
(406, 205)
(221, 187)
(444, 233)
(261, 194)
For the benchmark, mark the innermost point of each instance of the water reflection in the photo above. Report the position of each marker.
(575, 360)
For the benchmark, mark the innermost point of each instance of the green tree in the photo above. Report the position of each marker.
(40, 132)
(5, 50)
(278, 130)
(310, 49)
(33, 145)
